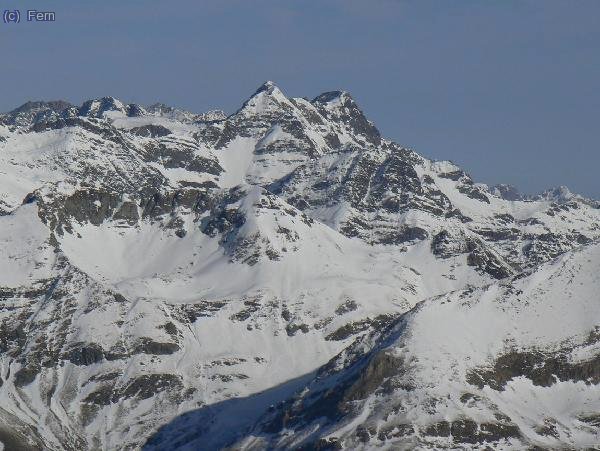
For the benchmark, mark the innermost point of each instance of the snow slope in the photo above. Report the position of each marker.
(512, 364)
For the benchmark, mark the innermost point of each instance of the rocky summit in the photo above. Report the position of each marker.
(282, 278)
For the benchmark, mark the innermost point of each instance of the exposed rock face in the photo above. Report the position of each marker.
(151, 131)
(156, 262)
(32, 112)
(338, 106)
(507, 192)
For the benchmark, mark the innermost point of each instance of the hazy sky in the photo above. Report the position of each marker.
(507, 89)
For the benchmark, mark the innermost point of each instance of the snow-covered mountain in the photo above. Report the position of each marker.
(514, 363)
(282, 278)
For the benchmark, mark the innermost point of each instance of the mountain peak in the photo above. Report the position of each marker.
(267, 86)
(334, 97)
(33, 111)
(266, 98)
(37, 105)
(96, 107)
(99, 107)
(340, 106)
(159, 108)
(506, 192)
(557, 194)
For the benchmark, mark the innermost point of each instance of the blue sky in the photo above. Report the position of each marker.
(507, 89)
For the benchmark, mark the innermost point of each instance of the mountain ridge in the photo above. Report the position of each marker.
(67, 109)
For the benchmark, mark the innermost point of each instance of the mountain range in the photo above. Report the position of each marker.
(283, 277)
